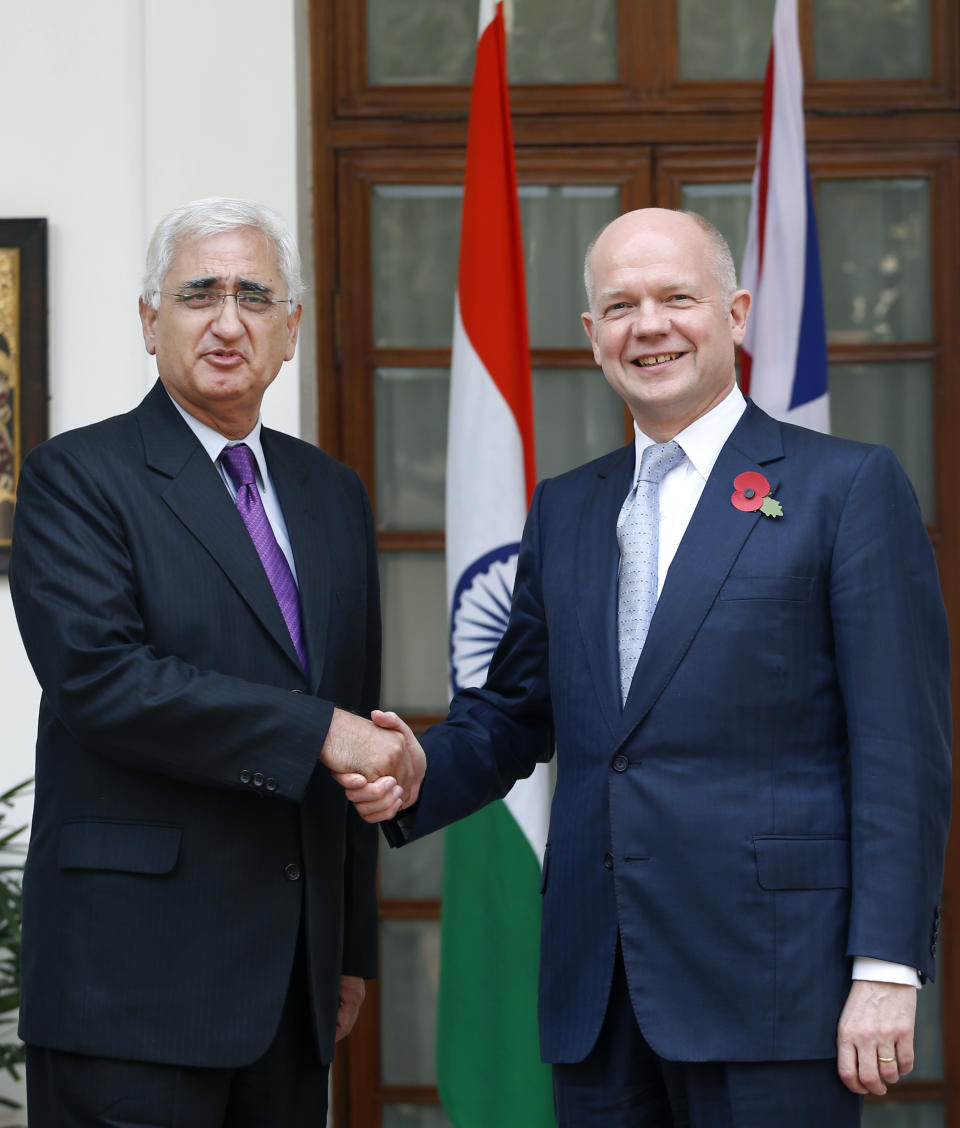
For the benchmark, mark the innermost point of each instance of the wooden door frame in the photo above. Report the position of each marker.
(377, 132)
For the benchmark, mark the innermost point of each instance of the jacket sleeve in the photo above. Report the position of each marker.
(78, 592)
(496, 734)
(892, 658)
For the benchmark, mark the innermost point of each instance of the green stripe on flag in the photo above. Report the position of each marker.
(489, 1071)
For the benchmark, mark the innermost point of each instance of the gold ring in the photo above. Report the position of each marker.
(879, 1058)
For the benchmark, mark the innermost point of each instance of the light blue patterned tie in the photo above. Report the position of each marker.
(638, 532)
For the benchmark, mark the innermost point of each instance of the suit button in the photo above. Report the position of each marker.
(291, 871)
(246, 776)
(271, 784)
(608, 861)
(619, 763)
(258, 778)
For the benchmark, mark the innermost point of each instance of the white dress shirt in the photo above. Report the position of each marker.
(213, 443)
(680, 491)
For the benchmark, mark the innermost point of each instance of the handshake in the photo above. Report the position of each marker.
(379, 762)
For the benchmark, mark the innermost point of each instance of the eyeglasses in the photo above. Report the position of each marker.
(248, 301)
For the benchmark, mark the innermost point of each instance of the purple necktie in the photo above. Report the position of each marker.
(238, 461)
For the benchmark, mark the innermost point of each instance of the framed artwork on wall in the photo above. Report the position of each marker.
(23, 357)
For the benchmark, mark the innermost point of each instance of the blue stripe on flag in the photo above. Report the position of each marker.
(810, 375)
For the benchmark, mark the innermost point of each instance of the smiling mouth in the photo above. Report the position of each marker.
(650, 361)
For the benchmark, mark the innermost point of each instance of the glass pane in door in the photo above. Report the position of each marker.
(412, 43)
(874, 239)
(890, 404)
(548, 41)
(723, 42)
(881, 39)
(414, 235)
(559, 221)
(415, 1116)
(410, 427)
(577, 416)
(727, 206)
(561, 40)
(414, 873)
(409, 971)
(415, 648)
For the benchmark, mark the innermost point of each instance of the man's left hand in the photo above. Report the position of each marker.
(875, 1035)
(352, 992)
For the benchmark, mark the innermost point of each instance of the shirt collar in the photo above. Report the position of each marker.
(214, 443)
(703, 440)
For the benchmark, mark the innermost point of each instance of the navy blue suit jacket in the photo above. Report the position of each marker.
(183, 827)
(772, 799)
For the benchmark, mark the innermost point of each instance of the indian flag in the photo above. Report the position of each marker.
(488, 1063)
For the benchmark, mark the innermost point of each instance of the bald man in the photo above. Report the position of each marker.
(733, 630)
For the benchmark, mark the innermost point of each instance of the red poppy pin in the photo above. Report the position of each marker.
(752, 492)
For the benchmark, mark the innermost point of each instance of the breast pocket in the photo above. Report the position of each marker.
(794, 589)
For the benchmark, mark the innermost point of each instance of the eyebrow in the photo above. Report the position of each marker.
(607, 295)
(248, 284)
(253, 286)
(675, 285)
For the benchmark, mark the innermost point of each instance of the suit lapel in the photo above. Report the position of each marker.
(710, 546)
(196, 494)
(306, 512)
(598, 562)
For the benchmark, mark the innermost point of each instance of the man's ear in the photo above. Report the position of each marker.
(148, 320)
(293, 328)
(588, 328)
(739, 312)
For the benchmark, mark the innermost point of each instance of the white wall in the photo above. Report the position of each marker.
(116, 112)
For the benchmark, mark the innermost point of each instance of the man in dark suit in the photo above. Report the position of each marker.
(198, 596)
(745, 854)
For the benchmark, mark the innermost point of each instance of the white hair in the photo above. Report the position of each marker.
(213, 216)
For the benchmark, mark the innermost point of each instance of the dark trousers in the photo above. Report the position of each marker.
(622, 1083)
(286, 1088)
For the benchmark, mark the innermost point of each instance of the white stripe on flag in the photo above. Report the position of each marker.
(486, 500)
(490, 474)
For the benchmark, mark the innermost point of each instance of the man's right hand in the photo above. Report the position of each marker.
(377, 800)
(359, 748)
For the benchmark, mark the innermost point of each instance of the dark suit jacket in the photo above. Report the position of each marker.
(183, 827)
(774, 796)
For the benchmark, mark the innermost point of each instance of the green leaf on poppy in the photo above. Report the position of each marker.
(771, 507)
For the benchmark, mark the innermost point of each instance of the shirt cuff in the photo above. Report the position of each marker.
(883, 971)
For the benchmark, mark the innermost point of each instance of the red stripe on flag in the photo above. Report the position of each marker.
(765, 159)
(490, 280)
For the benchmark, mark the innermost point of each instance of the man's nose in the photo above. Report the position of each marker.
(650, 319)
(227, 321)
